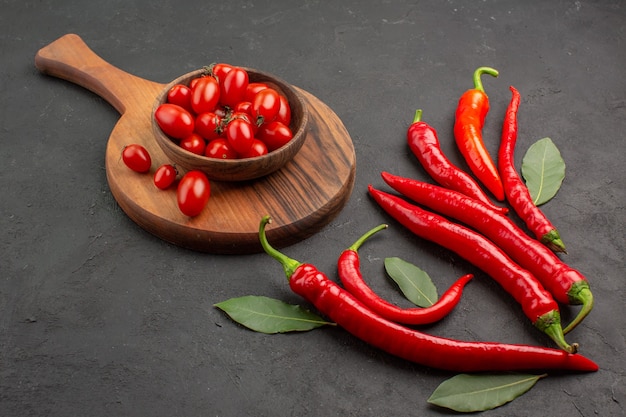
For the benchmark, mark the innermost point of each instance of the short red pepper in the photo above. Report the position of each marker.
(424, 143)
(537, 303)
(469, 121)
(516, 191)
(436, 352)
(349, 269)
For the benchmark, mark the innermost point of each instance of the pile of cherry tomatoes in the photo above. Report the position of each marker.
(221, 114)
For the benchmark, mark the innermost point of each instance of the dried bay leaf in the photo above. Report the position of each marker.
(268, 315)
(478, 392)
(414, 283)
(543, 170)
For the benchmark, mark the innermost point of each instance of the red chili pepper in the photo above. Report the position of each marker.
(469, 121)
(537, 303)
(567, 285)
(516, 191)
(433, 351)
(350, 275)
(424, 144)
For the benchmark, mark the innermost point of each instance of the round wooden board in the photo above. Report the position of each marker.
(302, 197)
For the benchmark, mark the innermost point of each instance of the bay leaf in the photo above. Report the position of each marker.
(543, 170)
(268, 315)
(478, 392)
(414, 283)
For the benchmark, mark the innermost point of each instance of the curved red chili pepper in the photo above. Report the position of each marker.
(516, 191)
(566, 284)
(469, 120)
(537, 303)
(433, 351)
(350, 275)
(424, 144)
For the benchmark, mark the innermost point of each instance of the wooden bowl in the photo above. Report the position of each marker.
(238, 169)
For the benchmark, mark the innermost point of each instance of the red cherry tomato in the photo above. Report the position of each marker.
(174, 120)
(240, 135)
(220, 70)
(194, 143)
(221, 149)
(265, 106)
(180, 95)
(205, 95)
(258, 148)
(243, 107)
(193, 193)
(274, 135)
(284, 113)
(209, 125)
(165, 176)
(233, 87)
(252, 89)
(137, 158)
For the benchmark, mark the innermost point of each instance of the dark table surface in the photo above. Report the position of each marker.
(100, 318)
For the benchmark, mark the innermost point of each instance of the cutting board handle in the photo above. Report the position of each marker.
(70, 58)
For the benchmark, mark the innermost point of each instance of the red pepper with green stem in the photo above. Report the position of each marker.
(424, 143)
(349, 269)
(409, 344)
(567, 285)
(516, 191)
(537, 303)
(469, 121)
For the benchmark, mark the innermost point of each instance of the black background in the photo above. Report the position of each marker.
(100, 318)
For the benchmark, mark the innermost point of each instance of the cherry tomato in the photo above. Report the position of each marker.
(221, 149)
(194, 143)
(243, 107)
(220, 70)
(284, 113)
(252, 89)
(265, 106)
(205, 95)
(240, 135)
(274, 135)
(174, 120)
(137, 158)
(258, 148)
(180, 95)
(244, 116)
(233, 87)
(165, 176)
(209, 125)
(193, 193)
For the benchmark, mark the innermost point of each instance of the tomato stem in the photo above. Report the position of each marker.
(289, 265)
(418, 116)
(356, 245)
(478, 84)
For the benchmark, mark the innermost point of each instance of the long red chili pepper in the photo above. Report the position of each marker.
(424, 143)
(349, 270)
(516, 191)
(567, 285)
(537, 303)
(436, 352)
(469, 121)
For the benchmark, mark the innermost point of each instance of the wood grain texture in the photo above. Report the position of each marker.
(302, 197)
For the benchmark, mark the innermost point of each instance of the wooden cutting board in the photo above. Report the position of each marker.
(302, 197)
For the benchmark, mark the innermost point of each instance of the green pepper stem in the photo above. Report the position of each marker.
(289, 265)
(553, 240)
(550, 324)
(418, 116)
(478, 84)
(580, 294)
(356, 245)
